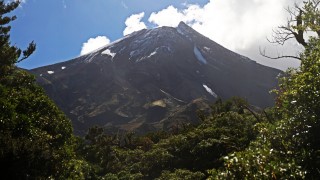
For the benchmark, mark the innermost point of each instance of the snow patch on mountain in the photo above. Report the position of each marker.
(138, 55)
(63, 67)
(207, 49)
(134, 54)
(108, 52)
(94, 52)
(152, 54)
(199, 56)
(209, 90)
(146, 57)
(50, 72)
(90, 57)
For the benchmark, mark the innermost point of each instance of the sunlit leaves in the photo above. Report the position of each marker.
(289, 147)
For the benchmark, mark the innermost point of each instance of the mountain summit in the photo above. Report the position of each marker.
(153, 79)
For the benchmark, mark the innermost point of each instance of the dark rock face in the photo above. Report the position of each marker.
(153, 78)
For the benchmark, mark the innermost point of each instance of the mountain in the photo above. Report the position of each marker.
(153, 79)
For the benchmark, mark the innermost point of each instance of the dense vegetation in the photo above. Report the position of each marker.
(236, 141)
(289, 148)
(187, 154)
(36, 140)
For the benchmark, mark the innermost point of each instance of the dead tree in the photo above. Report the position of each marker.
(302, 20)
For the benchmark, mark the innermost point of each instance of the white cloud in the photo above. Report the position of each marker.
(241, 26)
(235, 24)
(133, 23)
(93, 44)
(170, 16)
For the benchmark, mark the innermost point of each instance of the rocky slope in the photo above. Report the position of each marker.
(153, 79)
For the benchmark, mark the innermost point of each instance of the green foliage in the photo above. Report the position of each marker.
(35, 136)
(187, 154)
(10, 54)
(181, 174)
(288, 148)
(301, 109)
(311, 17)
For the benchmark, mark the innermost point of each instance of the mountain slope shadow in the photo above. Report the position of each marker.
(149, 78)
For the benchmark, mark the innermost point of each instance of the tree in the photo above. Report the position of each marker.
(35, 136)
(302, 23)
(290, 147)
(10, 54)
(187, 154)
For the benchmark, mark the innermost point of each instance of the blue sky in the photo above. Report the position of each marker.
(61, 27)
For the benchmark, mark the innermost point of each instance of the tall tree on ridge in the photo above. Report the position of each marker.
(35, 136)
